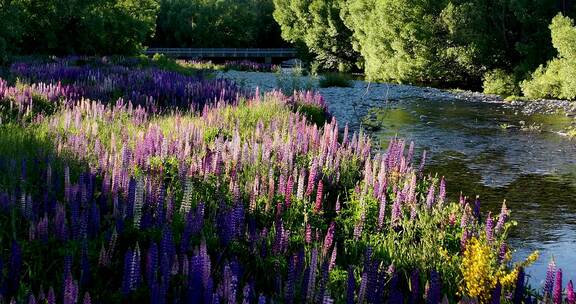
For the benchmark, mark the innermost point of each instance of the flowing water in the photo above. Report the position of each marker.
(491, 150)
(486, 149)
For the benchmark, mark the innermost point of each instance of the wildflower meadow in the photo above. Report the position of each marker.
(123, 182)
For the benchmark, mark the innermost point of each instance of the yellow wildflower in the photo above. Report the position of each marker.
(478, 271)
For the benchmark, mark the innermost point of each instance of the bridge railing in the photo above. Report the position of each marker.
(223, 52)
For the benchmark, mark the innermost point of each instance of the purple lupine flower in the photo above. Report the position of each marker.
(87, 298)
(70, 291)
(502, 252)
(152, 264)
(396, 296)
(312, 177)
(549, 283)
(435, 291)
(85, 276)
(289, 290)
(381, 211)
(15, 266)
(261, 299)
(496, 294)
(501, 218)
(422, 162)
(490, 228)
(430, 196)
(520, 287)
(351, 286)
(312, 279)
(126, 289)
(415, 287)
(477, 207)
(442, 191)
(397, 210)
(464, 239)
(51, 299)
(570, 296)
(557, 293)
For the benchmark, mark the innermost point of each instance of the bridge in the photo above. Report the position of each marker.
(267, 54)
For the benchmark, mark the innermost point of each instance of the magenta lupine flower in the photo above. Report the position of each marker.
(490, 228)
(319, 193)
(557, 293)
(308, 233)
(549, 283)
(332, 262)
(570, 296)
(288, 193)
(329, 238)
(452, 219)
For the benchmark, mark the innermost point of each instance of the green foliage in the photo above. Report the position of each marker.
(335, 80)
(558, 78)
(76, 27)
(317, 25)
(500, 83)
(216, 23)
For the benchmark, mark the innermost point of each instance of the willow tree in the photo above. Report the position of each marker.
(318, 25)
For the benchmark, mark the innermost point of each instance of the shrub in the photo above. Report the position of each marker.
(558, 78)
(335, 80)
(499, 82)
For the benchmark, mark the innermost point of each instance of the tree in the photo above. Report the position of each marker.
(558, 78)
(216, 23)
(10, 27)
(85, 26)
(318, 25)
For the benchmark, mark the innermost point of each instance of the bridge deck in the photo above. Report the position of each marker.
(223, 52)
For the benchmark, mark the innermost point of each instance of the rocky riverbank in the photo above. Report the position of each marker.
(350, 104)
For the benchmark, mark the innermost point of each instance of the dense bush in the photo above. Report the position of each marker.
(335, 80)
(558, 78)
(500, 83)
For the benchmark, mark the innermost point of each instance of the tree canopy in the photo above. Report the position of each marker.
(216, 23)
